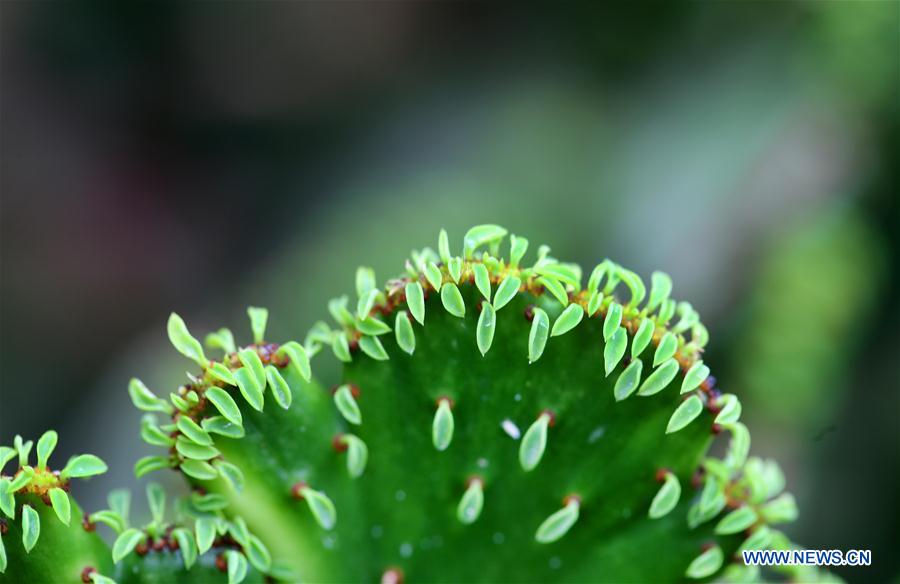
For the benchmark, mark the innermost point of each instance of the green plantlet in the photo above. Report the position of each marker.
(493, 421)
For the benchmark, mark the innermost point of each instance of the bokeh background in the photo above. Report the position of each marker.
(203, 156)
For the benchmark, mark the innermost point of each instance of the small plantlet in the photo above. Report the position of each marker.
(495, 420)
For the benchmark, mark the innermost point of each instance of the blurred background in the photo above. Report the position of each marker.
(204, 156)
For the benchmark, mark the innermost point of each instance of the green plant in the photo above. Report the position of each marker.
(494, 422)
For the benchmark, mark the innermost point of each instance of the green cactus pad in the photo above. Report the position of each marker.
(493, 421)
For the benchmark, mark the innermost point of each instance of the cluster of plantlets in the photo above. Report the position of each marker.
(493, 422)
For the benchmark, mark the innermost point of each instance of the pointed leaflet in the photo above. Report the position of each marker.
(346, 405)
(225, 404)
(712, 493)
(372, 326)
(558, 524)
(221, 426)
(249, 388)
(125, 543)
(341, 347)
(31, 527)
(568, 274)
(660, 288)
(668, 344)
(45, 447)
(482, 280)
(666, 498)
(736, 521)
(182, 340)
(190, 449)
(612, 321)
(365, 280)
(298, 358)
(181, 403)
(537, 338)
(453, 300)
(517, 248)
(660, 378)
(372, 347)
(642, 337)
(366, 303)
(506, 291)
(109, 518)
(594, 302)
(729, 409)
(444, 247)
(146, 400)
(484, 333)
(236, 566)
(696, 375)
(238, 530)
(258, 554)
(60, 501)
(258, 319)
(231, 473)
(531, 450)
(434, 276)
(83, 465)
(205, 528)
(199, 469)
(455, 269)
(470, 504)
(357, 455)
(568, 320)
(597, 274)
(23, 448)
(221, 372)
(628, 380)
(20, 480)
(666, 311)
(635, 286)
(208, 502)
(406, 338)
(442, 426)
(156, 497)
(221, 339)
(251, 361)
(758, 540)
(481, 235)
(3, 560)
(739, 446)
(189, 428)
(686, 413)
(415, 300)
(7, 499)
(554, 287)
(281, 391)
(780, 510)
(187, 545)
(119, 501)
(614, 350)
(321, 507)
(6, 454)
(149, 464)
(337, 307)
(706, 564)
